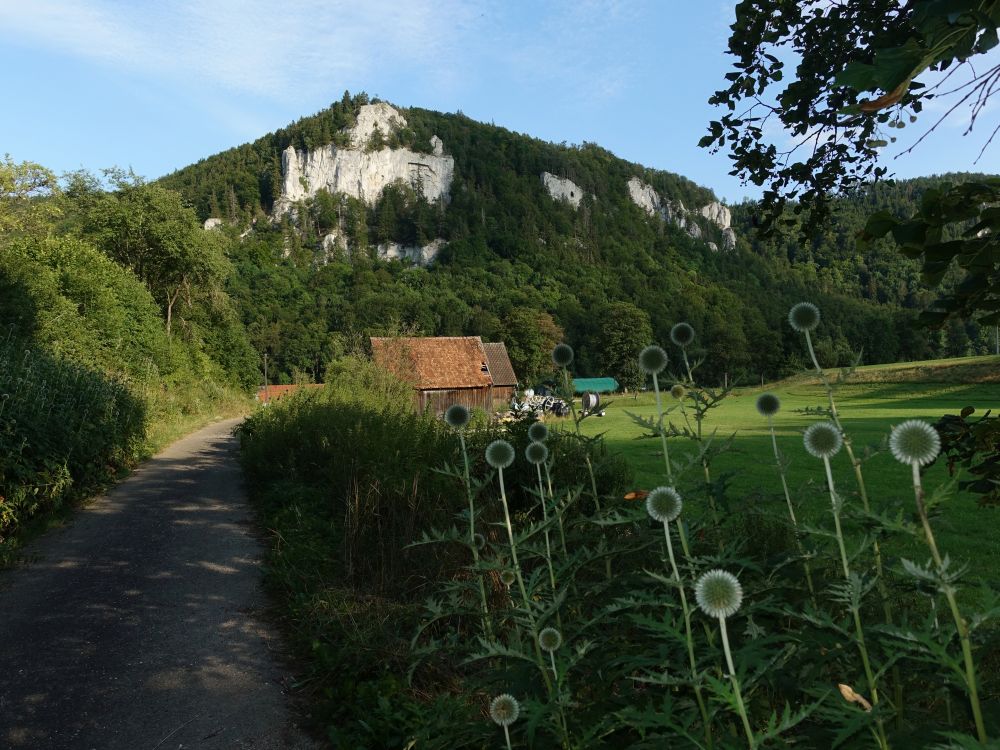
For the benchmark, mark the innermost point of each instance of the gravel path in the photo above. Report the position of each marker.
(139, 626)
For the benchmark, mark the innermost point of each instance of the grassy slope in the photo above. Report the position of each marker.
(873, 400)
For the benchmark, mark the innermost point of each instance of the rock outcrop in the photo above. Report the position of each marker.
(562, 189)
(212, 223)
(363, 173)
(420, 256)
(719, 215)
(716, 213)
(646, 198)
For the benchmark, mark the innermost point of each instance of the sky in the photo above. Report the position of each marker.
(156, 86)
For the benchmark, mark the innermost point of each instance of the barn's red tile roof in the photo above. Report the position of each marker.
(500, 366)
(435, 363)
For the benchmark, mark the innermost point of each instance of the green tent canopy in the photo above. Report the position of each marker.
(595, 385)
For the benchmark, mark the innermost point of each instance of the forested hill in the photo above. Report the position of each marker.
(531, 242)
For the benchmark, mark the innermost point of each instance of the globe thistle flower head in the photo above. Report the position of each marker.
(822, 440)
(718, 593)
(499, 454)
(804, 316)
(538, 432)
(914, 442)
(504, 709)
(768, 404)
(507, 577)
(536, 453)
(549, 639)
(457, 416)
(678, 391)
(652, 360)
(682, 334)
(664, 504)
(562, 355)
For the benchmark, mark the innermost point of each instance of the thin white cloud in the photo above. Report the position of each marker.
(251, 46)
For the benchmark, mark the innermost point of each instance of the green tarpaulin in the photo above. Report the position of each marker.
(595, 385)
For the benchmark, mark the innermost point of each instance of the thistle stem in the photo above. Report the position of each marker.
(949, 592)
(791, 511)
(751, 739)
(487, 628)
(520, 582)
(545, 519)
(557, 509)
(663, 435)
(858, 630)
(586, 454)
(688, 637)
(859, 477)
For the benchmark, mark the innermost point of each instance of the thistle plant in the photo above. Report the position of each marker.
(664, 505)
(682, 334)
(653, 360)
(823, 440)
(504, 710)
(805, 317)
(500, 455)
(549, 640)
(536, 453)
(767, 406)
(719, 595)
(538, 432)
(457, 417)
(917, 444)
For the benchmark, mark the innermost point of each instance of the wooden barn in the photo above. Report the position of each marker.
(445, 370)
(502, 372)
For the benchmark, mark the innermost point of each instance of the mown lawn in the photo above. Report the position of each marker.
(868, 411)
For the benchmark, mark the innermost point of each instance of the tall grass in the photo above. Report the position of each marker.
(348, 479)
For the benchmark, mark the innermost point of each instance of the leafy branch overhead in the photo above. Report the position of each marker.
(856, 69)
(856, 65)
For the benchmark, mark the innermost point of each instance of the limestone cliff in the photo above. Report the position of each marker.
(562, 189)
(360, 172)
(420, 256)
(646, 198)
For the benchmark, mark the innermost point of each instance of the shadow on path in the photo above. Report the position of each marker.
(138, 626)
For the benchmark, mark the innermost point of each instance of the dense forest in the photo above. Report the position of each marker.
(521, 267)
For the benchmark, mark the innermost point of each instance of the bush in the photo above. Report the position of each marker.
(346, 478)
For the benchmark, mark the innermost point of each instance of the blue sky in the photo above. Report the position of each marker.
(156, 86)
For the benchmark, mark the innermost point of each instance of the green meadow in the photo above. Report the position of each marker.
(870, 402)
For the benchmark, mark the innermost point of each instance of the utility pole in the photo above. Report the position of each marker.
(267, 393)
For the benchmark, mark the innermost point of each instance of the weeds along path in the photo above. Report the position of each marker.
(139, 626)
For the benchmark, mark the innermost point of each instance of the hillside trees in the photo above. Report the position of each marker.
(625, 329)
(25, 188)
(149, 230)
(530, 336)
